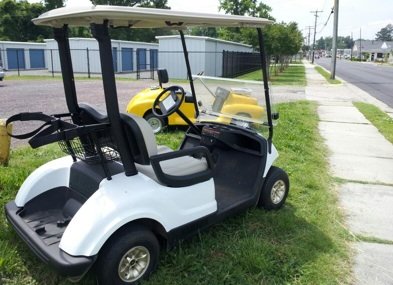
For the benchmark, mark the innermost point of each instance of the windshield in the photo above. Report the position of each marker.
(231, 101)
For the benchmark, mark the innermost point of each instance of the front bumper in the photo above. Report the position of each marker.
(63, 263)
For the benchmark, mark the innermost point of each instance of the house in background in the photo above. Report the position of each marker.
(379, 51)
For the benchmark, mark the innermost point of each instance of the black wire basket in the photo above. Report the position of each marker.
(93, 147)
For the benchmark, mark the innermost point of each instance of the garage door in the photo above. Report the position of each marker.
(153, 59)
(126, 59)
(141, 58)
(37, 58)
(16, 58)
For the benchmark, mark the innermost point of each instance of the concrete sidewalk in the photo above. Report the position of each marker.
(363, 159)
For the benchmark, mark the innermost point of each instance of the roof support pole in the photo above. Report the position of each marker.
(61, 36)
(101, 34)
(185, 52)
(262, 53)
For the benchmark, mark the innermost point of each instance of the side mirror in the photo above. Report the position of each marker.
(200, 104)
(275, 116)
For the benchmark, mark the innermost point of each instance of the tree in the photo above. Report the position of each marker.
(321, 44)
(141, 3)
(282, 42)
(204, 32)
(53, 4)
(385, 34)
(245, 8)
(143, 35)
(16, 24)
(342, 43)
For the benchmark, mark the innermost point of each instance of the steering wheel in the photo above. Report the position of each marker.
(170, 104)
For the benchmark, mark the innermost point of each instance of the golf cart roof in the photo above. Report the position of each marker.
(136, 17)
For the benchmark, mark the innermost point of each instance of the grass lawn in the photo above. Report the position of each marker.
(326, 74)
(293, 75)
(59, 77)
(382, 121)
(303, 243)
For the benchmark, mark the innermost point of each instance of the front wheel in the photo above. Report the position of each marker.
(156, 123)
(275, 189)
(128, 258)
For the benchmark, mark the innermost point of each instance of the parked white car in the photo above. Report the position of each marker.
(2, 73)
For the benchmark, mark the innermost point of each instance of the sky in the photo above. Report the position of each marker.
(369, 16)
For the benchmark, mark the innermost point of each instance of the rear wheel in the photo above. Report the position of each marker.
(128, 258)
(156, 123)
(275, 189)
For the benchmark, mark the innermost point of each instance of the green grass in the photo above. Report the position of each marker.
(32, 77)
(326, 74)
(303, 243)
(59, 77)
(382, 121)
(369, 239)
(293, 75)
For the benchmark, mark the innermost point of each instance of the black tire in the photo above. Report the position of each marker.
(135, 250)
(156, 123)
(275, 189)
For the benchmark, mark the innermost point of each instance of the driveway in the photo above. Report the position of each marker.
(47, 96)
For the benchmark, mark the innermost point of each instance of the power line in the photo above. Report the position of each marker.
(315, 32)
(327, 21)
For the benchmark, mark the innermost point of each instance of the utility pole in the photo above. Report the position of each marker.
(360, 45)
(315, 32)
(335, 30)
(308, 41)
(351, 45)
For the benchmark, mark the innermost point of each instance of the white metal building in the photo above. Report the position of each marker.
(85, 57)
(206, 54)
(26, 55)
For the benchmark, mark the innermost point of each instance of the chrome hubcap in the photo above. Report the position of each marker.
(134, 264)
(278, 192)
(155, 124)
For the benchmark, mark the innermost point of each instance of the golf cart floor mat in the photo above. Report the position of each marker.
(48, 214)
(236, 183)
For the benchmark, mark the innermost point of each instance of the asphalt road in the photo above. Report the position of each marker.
(375, 79)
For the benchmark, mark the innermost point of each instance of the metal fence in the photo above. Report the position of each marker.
(239, 63)
(138, 63)
(141, 62)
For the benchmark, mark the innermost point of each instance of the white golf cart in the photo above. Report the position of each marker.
(118, 198)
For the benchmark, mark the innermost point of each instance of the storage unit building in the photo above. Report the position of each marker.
(127, 56)
(18, 55)
(206, 54)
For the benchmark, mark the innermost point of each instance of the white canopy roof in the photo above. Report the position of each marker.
(136, 17)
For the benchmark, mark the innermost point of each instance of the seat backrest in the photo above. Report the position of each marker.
(162, 76)
(221, 96)
(139, 135)
(90, 115)
(140, 138)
